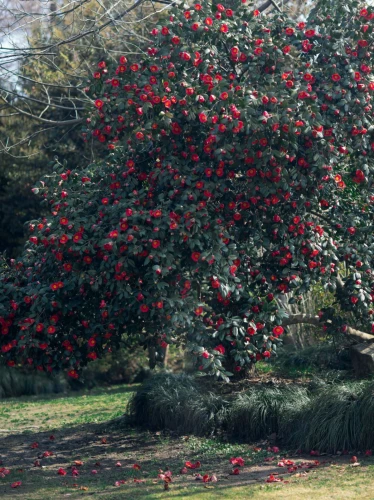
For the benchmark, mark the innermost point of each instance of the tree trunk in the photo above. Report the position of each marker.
(152, 357)
(166, 357)
(156, 355)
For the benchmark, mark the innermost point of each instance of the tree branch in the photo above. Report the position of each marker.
(270, 3)
(18, 75)
(297, 319)
(276, 5)
(49, 104)
(359, 334)
(43, 120)
(91, 31)
(321, 216)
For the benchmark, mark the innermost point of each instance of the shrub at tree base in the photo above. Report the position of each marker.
(265, 410)
(177, 403)
(338, 417)
(328, 419)
(239, 173)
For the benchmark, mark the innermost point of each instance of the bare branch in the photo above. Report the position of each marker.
(43, 120)
(57, 86)
(297, 319)
(49, 104)
(276, 5)
(266, 5)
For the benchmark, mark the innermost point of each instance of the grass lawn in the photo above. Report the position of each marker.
(85, 428)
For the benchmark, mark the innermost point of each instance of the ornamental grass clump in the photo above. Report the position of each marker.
(339, 417)
(265, 410)
(329, 418)
(177, 403)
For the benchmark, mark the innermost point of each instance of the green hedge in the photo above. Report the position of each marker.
(327, 418)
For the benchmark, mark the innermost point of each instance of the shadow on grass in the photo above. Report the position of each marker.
(129, 446)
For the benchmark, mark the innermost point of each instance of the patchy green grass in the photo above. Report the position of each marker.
(83, 429)
(59, 411)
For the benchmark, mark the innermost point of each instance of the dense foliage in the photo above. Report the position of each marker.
(239, 173)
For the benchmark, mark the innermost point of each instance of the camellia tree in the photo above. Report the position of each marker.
(239, 174)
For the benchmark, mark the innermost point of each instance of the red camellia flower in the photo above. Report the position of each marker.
(234, 51)
(251, 331)
(309, 33)
(237, 461)
(77, 237)
(359, 176)
(215, 283)
(220, 348)
(99, 103)
(195, 256)
(278, 330)
(191, 465)
(336, 77)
